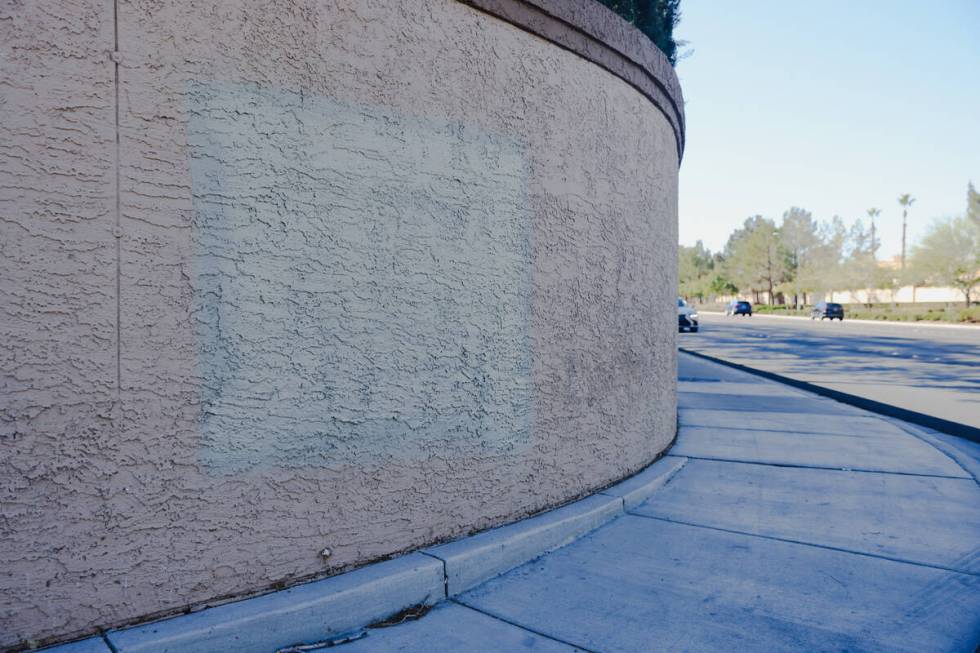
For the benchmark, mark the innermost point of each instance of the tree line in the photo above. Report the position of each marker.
(799, 257)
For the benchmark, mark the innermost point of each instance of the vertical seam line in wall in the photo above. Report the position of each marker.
(117, 232)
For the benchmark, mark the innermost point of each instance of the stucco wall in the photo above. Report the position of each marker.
(375, 274)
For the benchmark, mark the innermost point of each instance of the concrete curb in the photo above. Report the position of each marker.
(934, 438)
(476, 559)
(327, 609)
(921, 323)
(938, 424)
(479, 558)
(637, 489)
(307, 613)
(91, 645)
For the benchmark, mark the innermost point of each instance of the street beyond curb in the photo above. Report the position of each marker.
(942, 425)
(921, 323)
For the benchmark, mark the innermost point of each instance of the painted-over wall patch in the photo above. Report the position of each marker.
(362, 281)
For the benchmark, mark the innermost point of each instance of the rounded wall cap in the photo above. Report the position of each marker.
(601, 36)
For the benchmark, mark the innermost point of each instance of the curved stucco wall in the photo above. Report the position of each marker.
(280, 277)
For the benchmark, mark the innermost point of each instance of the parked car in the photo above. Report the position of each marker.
(687, 317)
(739, 307)
(827, 309)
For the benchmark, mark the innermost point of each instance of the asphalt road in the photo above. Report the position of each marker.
(927, 369)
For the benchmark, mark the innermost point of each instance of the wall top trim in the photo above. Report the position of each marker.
(596, 33)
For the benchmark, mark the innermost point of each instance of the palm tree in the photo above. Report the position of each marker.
(873, 213)
(905, 201)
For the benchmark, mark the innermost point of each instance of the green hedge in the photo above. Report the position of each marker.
(938, 312)
(655, 18)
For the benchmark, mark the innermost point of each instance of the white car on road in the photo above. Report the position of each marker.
(687, 317)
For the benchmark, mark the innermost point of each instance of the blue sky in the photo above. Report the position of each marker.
(833, 106)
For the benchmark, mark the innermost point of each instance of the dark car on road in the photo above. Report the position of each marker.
(739, 307)
(827, 310)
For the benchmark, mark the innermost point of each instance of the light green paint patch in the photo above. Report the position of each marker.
(362, 282)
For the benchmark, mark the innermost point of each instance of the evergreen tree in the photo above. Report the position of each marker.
(695, 265)
(755, 259)
(799, 237)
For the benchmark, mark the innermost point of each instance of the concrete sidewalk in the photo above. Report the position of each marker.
(795, 524)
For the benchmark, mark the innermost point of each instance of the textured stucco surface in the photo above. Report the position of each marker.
(57, 306)
(362, 281)
(596, 33)
(389, 272)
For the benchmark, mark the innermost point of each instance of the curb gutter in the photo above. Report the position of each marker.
(342, 604)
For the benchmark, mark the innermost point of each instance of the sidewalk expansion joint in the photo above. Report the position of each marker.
(523, 627)
(783, 430)
(828, 547)
(767, 411)
(828, 468)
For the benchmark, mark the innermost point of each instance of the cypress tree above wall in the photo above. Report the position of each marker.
(655, 18)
